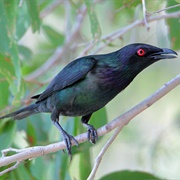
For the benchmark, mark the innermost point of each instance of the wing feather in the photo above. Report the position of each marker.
(73, 72)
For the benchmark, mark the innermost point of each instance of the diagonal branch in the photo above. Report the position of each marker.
(120, 122)
(50, 8)
(164, 9)
(120, 32)
(107, 39)
(126, 117)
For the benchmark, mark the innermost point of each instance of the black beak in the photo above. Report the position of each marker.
(164, 53)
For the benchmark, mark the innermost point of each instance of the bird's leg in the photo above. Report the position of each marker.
(66, 137)
(92, 133)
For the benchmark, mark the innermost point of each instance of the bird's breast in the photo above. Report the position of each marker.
(89, 94)
(82, 98)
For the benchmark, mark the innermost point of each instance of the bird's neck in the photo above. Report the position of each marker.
(115, 78)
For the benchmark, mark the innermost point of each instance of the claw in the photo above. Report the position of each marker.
(92, 134)
(67, 139)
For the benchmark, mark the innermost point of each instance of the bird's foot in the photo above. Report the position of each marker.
(67, 139)
(92, 134)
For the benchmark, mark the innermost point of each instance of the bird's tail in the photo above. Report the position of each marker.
(22, 113)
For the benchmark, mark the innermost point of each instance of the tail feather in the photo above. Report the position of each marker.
(22, 113)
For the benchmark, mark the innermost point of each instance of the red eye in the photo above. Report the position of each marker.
(141, 52)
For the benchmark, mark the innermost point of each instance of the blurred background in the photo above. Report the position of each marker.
(38, 38)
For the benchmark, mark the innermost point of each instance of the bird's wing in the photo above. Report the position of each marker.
(72, 73)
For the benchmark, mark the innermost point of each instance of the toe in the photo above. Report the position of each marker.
(92, 135)
(68, 139)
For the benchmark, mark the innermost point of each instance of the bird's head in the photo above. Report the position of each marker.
(139, 56)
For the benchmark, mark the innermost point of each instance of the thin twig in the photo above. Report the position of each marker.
(20, 3)
(126, 5)
(119, 33)
(102, 152)
(50, 8)
(164, 9)
(68, 25)
(120, 122)
(5, 151)
(144, 15)
(86, 50)
(10, 168)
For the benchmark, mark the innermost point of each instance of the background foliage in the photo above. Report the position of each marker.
(38, 38)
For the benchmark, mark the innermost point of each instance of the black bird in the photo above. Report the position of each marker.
(87, 84)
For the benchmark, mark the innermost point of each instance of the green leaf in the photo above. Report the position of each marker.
(99, 118)
(16, 64)
(7, 135)
(8, 48)
(174, 26)
(60, 170)
(85, 164)
(11, 10)
(127, 175)
(34, 14)
(22, 22)
(54, 36)
(6, 70)
(126, 3)
(16, 101)
(44, 4)
(31, 134)
(23, 173)
(36, 166)
(40, 131)
(95, 26)
(4, 94)
(25, 53)
(5, 34)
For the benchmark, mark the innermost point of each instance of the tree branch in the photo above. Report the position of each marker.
(164, 9)
(125, 118)
(120, 122)
(50, 8)
(145, 14)
(119, 33)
